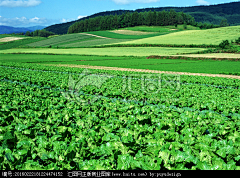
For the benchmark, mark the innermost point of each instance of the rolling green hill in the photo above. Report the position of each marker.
(199, 37)
(209, 14)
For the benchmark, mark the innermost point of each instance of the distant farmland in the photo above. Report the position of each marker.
(210, 36)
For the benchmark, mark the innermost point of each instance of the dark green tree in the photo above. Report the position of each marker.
(238, 40)
(149, 18)
(224, 44)
(224, 23)
(127, 19)
(36, 33)
(135, 19)
(154, 18)
(185, 25)
(28, 33)
(140, 19)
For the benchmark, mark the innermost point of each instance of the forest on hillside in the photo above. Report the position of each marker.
(212, 14)
(128, 19)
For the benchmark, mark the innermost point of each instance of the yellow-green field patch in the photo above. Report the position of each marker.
(198, 37)
(120, 51)
(213, 55)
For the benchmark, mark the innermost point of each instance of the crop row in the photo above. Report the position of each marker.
(223, 82)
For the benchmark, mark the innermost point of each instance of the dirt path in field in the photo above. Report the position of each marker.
(7, 39)
(146, 70)
(97, 36)
(212, 55)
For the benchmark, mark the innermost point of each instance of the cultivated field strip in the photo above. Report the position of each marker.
(194, 128)
(94, 42)
(114, 87)
(60, 40)
(198, 37)
(152, 71)
(126, 77)
(111, 51)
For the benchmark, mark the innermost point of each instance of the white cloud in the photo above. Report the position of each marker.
(80, 16)
(23, 21)
(19, 3)
(134, 1)
(202, 2)
(66, 20)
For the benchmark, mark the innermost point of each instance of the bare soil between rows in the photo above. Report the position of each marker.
(213, 55)
(7, 39)
(145, 70)
(96, 36)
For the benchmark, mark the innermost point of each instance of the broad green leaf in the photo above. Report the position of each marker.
(203, 166)
(22, 152)
(164, 155)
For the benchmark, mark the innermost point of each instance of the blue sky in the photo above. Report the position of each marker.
(24, 13)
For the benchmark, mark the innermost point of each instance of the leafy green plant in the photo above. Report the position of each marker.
(238, 40)
(224, 44)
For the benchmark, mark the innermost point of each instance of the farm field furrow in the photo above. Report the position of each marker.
(121, 51)
(191, 127)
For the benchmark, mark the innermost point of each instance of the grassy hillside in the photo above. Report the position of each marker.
(210, 36)
(84, 39)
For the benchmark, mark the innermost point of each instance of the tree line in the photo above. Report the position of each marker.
(41, 33)
(127, 19)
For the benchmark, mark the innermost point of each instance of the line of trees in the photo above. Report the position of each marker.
(150, 18)
(41, 33)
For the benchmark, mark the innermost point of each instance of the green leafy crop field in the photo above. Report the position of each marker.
(189, 124)
(199, 37)
(121, 51)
